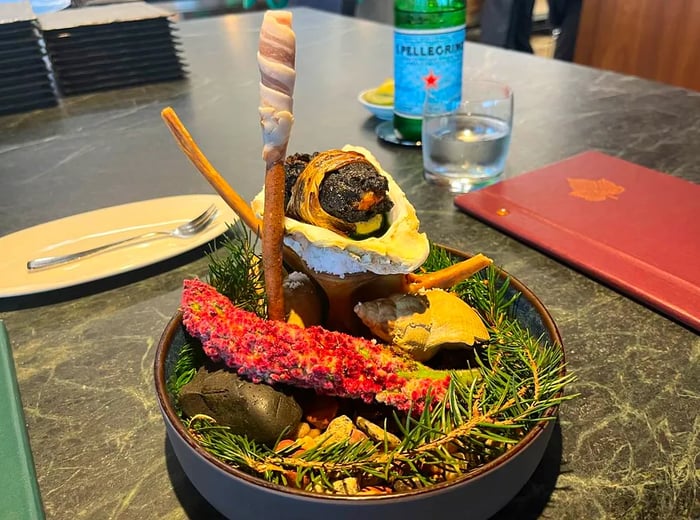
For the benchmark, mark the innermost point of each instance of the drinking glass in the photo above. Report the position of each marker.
(465, 140)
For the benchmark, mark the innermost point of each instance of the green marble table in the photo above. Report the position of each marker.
(628, 448)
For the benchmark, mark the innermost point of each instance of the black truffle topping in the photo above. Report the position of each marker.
(355, 193)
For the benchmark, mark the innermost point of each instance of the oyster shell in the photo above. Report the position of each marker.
(401, 249)
(422, 324)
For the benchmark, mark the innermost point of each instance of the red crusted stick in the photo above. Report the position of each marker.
(329, 362)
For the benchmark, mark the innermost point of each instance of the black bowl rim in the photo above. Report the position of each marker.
(169, 410)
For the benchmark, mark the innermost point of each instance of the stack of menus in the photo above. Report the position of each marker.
(25, 81)
(111, 46)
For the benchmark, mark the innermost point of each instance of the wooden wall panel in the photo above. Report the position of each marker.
(654, 39)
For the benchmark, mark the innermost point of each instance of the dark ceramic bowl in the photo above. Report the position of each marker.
(476, 495)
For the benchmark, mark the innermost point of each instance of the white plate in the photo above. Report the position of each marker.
(94, 228)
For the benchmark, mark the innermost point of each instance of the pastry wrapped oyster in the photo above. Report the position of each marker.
(346, 215)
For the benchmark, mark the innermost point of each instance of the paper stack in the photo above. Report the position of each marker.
(111, 46)
(25, 82)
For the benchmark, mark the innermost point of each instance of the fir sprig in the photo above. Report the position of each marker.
(190, 358)
(521, 379)
(236, 271)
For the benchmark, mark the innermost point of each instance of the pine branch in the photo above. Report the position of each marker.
(237, 271)
(190, 358)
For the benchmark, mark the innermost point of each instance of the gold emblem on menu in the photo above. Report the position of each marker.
(594, 190)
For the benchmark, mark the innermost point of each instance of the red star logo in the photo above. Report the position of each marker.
(431, 80)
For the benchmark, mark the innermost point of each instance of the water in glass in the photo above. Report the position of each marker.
(466, 144)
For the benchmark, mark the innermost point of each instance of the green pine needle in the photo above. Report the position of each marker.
(237, 273)
(190, 358)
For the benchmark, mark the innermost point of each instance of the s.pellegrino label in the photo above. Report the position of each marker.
(426, 60)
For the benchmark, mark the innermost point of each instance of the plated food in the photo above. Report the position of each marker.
(348, 357)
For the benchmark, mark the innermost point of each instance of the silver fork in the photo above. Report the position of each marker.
(188, 229)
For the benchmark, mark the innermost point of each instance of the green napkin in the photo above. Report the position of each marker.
(19, 498)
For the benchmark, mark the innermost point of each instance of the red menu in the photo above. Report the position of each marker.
(636, 229)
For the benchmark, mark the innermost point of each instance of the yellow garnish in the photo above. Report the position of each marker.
(369, 226)
(382, 95)
(386, 88)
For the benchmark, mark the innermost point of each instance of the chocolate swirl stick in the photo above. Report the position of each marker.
(276, 55)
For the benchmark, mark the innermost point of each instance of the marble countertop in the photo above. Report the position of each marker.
(628, 447)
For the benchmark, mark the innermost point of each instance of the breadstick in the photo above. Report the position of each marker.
(276, 57)
(448, 277)
(192, 151)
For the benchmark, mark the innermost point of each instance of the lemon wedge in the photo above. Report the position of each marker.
(382, 95)
(386, 88)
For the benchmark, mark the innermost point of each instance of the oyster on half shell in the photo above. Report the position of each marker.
(401, 249)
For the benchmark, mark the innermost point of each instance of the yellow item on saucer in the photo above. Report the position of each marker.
(382, 95)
